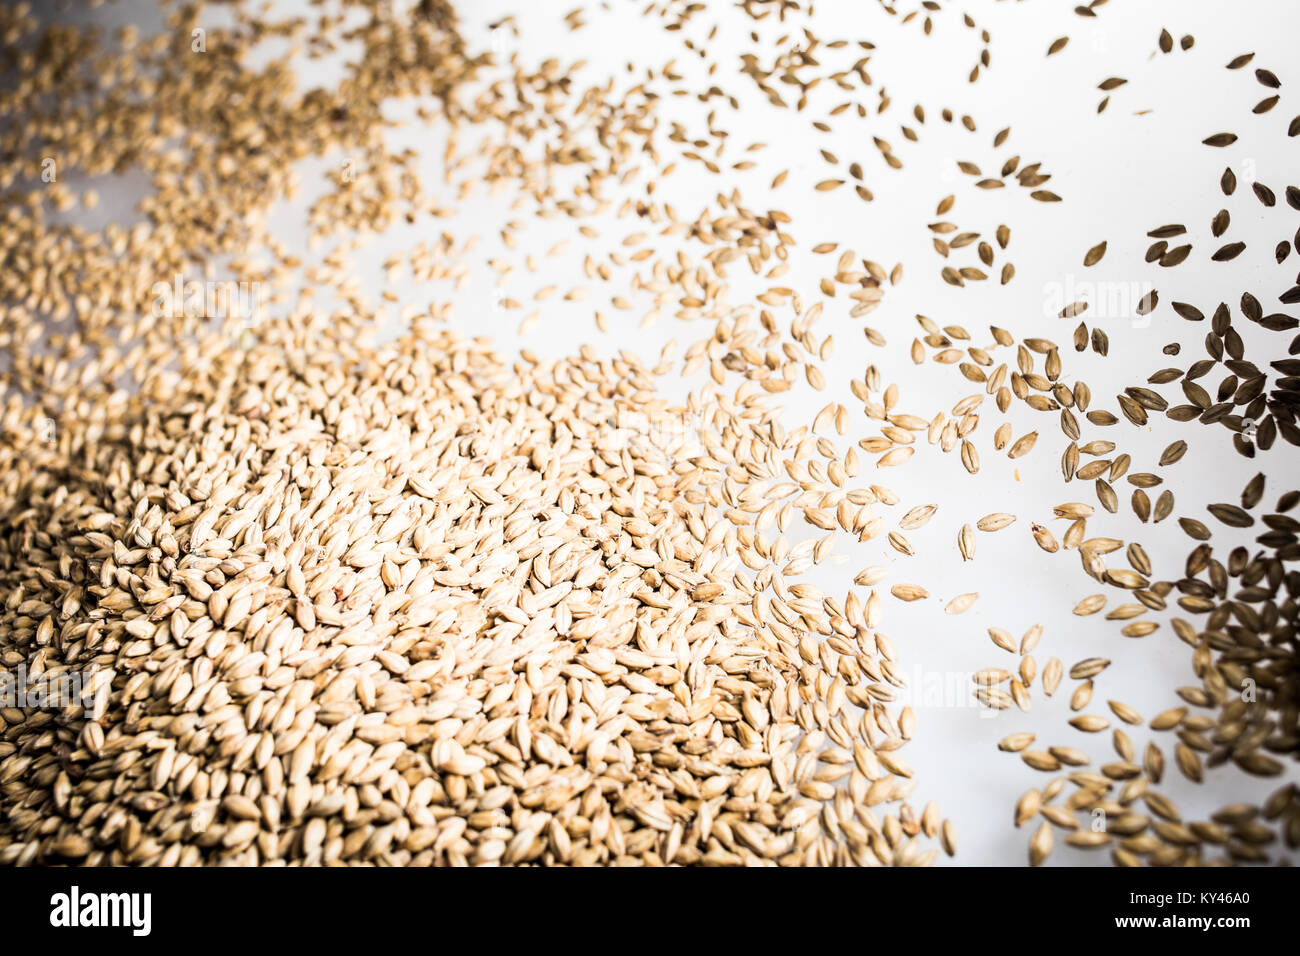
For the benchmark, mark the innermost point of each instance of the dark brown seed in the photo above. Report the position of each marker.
(1253, 492)
(1250, 308)
(1231, 515)
(1133, 411)
(1174, 452)
(1220, 139)
(1081, 337)
(1106, 495)
(1228, 252)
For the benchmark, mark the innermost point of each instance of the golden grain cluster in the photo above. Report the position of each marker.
(329, 598)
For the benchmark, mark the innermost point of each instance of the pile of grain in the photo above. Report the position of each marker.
(414, 603)
(411, 605)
